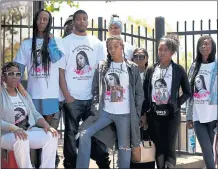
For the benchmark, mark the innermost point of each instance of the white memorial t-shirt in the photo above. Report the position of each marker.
(82, 55)
(19, 109)
(116, 99)
(161, 85)
(39, 86)
(202, 111)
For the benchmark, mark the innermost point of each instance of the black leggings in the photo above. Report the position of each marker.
(163, 131)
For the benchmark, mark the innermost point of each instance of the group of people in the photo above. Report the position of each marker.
(109, 88)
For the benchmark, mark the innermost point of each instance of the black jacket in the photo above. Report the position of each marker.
(179, 78)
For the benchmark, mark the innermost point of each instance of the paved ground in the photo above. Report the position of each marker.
(183, 161)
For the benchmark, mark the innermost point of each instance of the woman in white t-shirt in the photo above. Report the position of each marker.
(118, 92)
(20, 123)
(42, 55)
(115, 28)
(202, 106)
(162, 103)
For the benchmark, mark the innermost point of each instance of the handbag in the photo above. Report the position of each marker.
(145, 152)
(163, 109)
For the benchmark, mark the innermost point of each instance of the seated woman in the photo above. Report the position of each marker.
(20, 123)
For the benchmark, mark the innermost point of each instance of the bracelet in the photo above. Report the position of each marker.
(12, 128)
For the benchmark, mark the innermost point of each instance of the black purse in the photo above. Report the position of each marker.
(162, 109)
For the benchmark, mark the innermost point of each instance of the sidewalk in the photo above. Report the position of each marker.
(183, 161)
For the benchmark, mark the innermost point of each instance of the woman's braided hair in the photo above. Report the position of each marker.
(109, 59)
(44, 52)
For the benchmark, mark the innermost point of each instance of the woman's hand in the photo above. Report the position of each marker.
(51, 35)
(69, 99)
(143, 121)
(52, 130)
(189, 124)
(20, 133)
(22, 90)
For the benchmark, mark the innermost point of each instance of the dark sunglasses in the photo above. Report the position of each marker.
(13, 74)
(138, 57)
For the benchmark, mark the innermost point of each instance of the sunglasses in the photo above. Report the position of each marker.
(13, 74)
(138, 57)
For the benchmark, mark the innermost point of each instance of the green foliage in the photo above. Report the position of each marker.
(54, 6)
(14, 15)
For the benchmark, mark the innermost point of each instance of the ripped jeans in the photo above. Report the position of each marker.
(122, 123)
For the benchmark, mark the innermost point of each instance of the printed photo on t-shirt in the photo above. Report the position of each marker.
(200, 88)
(39, 71)
(114, 88)
(161, 95)
(20, 115)
(82, 63)
(39, 57)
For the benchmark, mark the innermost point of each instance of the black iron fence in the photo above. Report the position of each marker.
(188, 39)
(13, 34)
(138, 37)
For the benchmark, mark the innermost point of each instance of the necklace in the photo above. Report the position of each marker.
(162, 74)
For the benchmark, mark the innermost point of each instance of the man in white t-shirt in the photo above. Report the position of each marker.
(83, 53)
(115, 28)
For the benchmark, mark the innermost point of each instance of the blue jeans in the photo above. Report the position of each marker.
(205, 134)
(122, 123)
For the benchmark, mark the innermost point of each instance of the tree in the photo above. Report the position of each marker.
(14, 15)
(55, 5)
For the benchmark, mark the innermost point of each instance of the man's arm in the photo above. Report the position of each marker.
(63, 86)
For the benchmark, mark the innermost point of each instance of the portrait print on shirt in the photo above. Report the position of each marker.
(201, 91)
(114, 88)
(82, 63)
(39, 57)
(39, 71)
(20, 115)
(21, 119)
(161, 95)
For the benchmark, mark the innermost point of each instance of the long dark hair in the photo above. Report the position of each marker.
(198, 60)
(44, 52)
(109, 58)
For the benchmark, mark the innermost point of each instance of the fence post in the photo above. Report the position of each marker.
(100, 28)
(159, 32)
(37, 5)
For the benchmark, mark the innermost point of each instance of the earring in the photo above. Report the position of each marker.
(4, 84)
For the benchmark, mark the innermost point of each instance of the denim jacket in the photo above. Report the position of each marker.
(213, 90)
(55, 49)
(7, 111)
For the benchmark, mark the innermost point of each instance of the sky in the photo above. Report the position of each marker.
(172, 11)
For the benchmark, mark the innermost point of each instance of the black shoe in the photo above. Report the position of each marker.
(104, 164)
(68, 165)
(57, 160)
